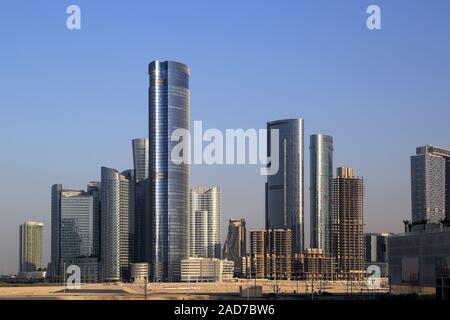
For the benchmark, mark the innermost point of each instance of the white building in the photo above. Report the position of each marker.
(205, 211)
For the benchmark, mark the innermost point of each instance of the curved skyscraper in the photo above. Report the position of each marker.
(321, 172)
(169, 182)
(285, 189)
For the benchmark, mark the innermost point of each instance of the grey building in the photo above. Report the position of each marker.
(93, 189)
(76, 228)
(55, 229)
(205, 216)
(235, 248)
(285, 189)
(321, 164)
(430, 185)
(419, 262)
(31, 246)
(377, 251)
(169, 182)
(117, 224)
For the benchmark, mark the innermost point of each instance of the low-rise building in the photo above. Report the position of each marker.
(139, 272)
(196, 269)
(418, 262)
(314, 264)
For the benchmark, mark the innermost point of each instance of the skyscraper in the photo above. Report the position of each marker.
(169, 182)
(430, 184)
(116, 225)
(284, 190)
(347, 224)
(55, 229)
(31, 246)
(205, 214)
(321, 153)
(93, 189)
(77, 225)
(140, 159)
(235, 247)
(142, 223)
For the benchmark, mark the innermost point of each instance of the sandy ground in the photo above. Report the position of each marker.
(178, 291)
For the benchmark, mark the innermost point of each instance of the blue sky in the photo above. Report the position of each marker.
(71, 101)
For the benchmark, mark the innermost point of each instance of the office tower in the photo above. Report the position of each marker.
(430, 185)
(142, 222)
(140, 159)
(31, 246)
(284, 190)
(205, 207)
(258, 253)
(235, 247)
(93, 189)
(116, 227)
(169, 182)
(77, 225)
(279, 253)
(347, 224)
(55, 220)
(321, 153)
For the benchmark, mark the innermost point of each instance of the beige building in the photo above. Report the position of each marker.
(348, 243)
(206, 270)
(314, 264)
(31, 246)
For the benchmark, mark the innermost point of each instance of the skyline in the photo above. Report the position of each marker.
(73, 160)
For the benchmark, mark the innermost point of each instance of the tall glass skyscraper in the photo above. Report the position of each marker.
(116, 227)
(169, 182)
(321, 173)
(142, 218)
(285, 189)
(430, 184)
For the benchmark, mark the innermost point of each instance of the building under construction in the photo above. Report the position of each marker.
(347, 224)
(258, 254)
(271, 254)
(314, 264)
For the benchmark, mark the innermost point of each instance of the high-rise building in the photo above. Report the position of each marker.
(258, 253)
(117, 224)
(285, 189)
(93, 189)
(430, 185)
(321, 153)
(31, 246)
(279, 253)
(347, 224)
(235, 248)
(205, 214)
(140, 159)
(76, 228)
(55, 229)
(75, 225)
(169, 181)
(142, 212)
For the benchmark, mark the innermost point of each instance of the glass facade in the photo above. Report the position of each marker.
(169, 182)
(285, 189)
(321, 172)
(430, 184)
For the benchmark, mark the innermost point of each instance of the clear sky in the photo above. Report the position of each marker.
(71, 101)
